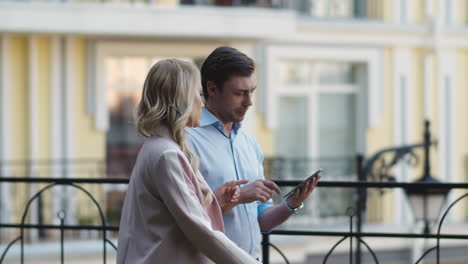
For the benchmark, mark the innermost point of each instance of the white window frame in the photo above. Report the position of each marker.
(312, 91)
(104, 49)
(372, 91)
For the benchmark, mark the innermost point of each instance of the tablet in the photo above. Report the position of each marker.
(302, 183)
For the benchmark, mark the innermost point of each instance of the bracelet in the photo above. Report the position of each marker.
(293, 210)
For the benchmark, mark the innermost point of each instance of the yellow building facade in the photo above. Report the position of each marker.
(332, 83)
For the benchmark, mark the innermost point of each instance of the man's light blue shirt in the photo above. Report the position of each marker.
(227, 158)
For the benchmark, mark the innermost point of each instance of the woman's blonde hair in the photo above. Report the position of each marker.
(167, 100)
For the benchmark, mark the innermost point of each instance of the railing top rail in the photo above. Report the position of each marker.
(64, 180)
(363, 184)
(346, 184)
(50, 161)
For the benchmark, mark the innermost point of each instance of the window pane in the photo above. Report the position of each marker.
(125, 77)
(291, 135)
(331, 8)
(336, 73)
(337, 125)
(294, 73)
(337, 145)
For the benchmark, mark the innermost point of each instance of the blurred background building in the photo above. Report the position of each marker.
(335, 78)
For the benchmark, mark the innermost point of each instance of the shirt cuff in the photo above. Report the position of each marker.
(262, 206)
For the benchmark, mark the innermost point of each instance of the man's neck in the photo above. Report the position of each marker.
(227, 125)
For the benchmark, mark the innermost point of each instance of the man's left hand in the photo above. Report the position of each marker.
(302, 193)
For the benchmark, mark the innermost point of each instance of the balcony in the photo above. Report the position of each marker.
(143, 19)
(245, 19)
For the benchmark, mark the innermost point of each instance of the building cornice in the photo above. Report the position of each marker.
(378, 33)
(145, 20)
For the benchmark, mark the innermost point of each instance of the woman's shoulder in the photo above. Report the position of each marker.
(157, 146)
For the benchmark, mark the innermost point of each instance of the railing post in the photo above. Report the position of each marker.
(266, 248)
(360, 204)
(61, 216)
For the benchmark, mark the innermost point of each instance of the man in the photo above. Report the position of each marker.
(228, 153)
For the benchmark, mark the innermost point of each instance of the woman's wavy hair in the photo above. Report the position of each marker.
(167, 100)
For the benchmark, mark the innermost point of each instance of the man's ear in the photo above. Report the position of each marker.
(211, 88)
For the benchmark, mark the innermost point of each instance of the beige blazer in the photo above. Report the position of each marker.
(164, 219)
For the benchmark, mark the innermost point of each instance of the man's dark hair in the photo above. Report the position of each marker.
(222, 64)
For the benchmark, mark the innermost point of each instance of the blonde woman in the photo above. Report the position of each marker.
(170, 215)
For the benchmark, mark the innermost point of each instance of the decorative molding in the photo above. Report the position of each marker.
(370, 56)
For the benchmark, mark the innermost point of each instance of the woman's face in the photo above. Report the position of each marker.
(198, 105)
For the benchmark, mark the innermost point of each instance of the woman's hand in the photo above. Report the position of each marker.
(228, 194)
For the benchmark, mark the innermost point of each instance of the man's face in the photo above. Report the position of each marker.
(232, 101)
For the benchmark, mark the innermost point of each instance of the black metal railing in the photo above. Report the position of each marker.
(353, 234)
(103, 227)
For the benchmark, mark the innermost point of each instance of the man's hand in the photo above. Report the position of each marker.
(259, 190)
(228, 194)
(302, 193)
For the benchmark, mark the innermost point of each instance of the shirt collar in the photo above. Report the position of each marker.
(207, 118)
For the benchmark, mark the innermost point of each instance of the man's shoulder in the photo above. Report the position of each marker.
(195, 130)
(247, 136)
(195, 133)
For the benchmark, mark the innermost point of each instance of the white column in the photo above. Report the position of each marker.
(447, 114)
(33, 102)
(402, 91)
(33, 127)
(401, 11)
(91, 76)
(402, 114)
(429, 8)
(450, 12)
(101, 111)
(56, 117)
(271, 84)
(70, 119)
(446, 63)
(5, 125)
(428, 86)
